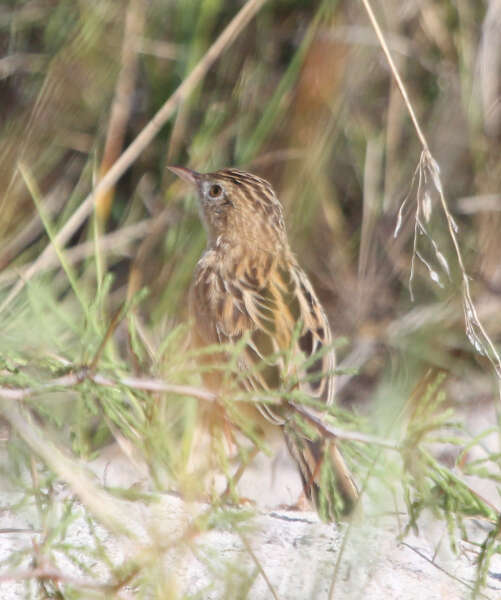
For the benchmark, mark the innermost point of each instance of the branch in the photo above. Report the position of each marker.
(334, 432)
(82, 374)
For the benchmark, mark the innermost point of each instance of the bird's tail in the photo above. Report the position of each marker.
(327, 481)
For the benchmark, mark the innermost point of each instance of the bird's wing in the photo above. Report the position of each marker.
(286, 331)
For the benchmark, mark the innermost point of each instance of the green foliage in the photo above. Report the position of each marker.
(303, 99)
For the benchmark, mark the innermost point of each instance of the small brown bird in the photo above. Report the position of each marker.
(248, 288)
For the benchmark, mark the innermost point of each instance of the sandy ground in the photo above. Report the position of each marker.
(300, 556)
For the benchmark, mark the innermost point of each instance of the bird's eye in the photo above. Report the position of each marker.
(215, 190)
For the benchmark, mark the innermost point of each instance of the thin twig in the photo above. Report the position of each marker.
(334, 432)
(78, 376)
(432, 562)
(230, 33)
(17, 530)
(51, 574)
(157, 385)
(258, 565)
(81, 374)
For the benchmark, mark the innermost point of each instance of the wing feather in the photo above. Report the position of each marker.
(284, 325)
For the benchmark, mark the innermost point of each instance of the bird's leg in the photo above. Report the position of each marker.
(238, 474)
(308, 487)
(303, 503)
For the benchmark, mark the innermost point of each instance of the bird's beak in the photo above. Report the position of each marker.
(186, 174)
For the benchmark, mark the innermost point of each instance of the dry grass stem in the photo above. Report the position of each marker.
(428, 176)
(259, 566)
(101, 504)
(122, 102)
(232, 30)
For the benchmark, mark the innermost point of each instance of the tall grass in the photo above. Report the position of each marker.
(94, 346)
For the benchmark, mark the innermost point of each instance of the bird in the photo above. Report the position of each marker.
(248, 290)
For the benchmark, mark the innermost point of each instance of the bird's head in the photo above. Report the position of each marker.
(238, 207)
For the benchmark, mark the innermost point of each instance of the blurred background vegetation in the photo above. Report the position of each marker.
(304, 97)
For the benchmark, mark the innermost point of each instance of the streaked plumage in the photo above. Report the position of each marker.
(249, 285)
